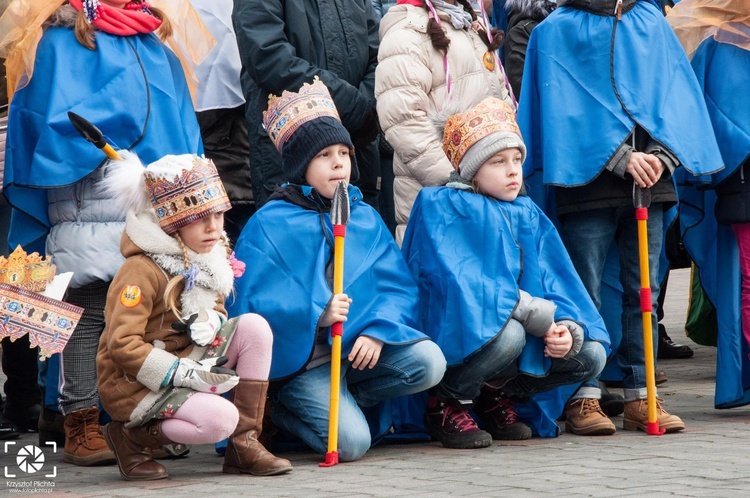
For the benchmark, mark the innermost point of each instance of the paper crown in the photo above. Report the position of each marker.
(463, 130)
(291, 110)
(48, 322)
(183, 189)
(30, 272)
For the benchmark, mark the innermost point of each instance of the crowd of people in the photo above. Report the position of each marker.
(491, 271)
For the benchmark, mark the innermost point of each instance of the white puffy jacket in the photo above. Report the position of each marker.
(410, 85)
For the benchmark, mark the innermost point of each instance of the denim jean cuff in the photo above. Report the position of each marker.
(586, 392)
(634, 394)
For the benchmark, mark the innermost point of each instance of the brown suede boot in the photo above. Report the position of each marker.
(245, 455)
(584, 417)
(84, 443)
(133, 450)
(635, 417)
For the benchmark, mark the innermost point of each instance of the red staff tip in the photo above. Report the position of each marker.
(332, 458)
(653, 429)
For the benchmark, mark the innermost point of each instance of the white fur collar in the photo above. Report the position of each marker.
(215, 278)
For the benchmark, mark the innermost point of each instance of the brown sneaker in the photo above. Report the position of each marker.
(584, 417)
(84, 442)
(636, 417)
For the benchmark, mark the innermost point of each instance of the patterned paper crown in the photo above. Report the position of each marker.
(463, 130)
(48, 322)
(183, 189)
(29, 272)
(291, 110)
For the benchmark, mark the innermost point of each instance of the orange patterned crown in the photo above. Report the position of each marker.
(183, 189)
(464, 130)
(30, 272)
(291, 110)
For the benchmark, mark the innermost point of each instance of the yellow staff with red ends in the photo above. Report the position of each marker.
(641, 202)
(339, 218)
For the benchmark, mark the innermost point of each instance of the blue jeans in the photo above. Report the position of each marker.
(586, 365)
(588, 236)
(301, 406)
(464, 382)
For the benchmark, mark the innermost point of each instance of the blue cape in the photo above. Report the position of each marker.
(723, 71)
(132, 88)
(567, 89)
(287, 249)
(470, 255)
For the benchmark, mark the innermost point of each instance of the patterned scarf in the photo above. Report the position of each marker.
(135, 17)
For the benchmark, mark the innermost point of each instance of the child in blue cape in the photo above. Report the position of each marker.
(290, 244)
(498, 293)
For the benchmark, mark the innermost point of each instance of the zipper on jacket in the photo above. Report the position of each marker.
(77, 191)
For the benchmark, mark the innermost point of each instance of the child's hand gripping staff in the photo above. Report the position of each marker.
(641, 202)
(339, 218)
(93, 135)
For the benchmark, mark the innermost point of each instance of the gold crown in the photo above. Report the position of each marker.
(48, 322)
(27, 271)
(291, 110)
(463, 130)
(183, 189)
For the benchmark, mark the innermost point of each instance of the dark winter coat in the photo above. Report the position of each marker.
(285, 43)
(523, 17)
(733, 197)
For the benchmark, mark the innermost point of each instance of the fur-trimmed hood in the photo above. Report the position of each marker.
(215, 279)
(537, 9)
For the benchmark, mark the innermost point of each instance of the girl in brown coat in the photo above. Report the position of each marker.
(167, 349)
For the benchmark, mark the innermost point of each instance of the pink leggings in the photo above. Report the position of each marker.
(742, 233)
(208, 418)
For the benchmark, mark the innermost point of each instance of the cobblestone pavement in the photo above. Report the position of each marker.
(711, 458)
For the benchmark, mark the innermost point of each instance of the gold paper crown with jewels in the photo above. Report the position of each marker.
(286, 113)
(463, 130)
(30, 272)
(183, 189)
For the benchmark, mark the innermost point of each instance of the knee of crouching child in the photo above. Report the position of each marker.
(353, 444)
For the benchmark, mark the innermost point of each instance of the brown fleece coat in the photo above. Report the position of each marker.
(139, 345)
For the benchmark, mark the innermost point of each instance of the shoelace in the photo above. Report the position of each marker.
(461, 418)
(505, 405)
(86, 429)
(659, 401)
(590, 406)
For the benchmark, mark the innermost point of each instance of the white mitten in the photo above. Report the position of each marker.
(202, 327)
(206, 376)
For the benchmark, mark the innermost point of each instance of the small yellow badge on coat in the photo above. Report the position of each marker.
(489, 60)
(130, 296)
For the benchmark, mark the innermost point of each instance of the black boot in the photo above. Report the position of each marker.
(670, 350)
(499, 417)
(8, 430)
(451, 424)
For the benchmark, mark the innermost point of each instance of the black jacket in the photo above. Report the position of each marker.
(523, 17)
(285, 43)
(733, 197)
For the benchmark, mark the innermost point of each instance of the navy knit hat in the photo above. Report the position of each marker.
(307, 141)
(302, 124)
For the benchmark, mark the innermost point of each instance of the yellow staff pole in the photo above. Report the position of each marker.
(92, 134)
(339, 217)
(652, 426)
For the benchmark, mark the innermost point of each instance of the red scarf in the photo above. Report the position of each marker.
(416, 3)
(132, 19)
